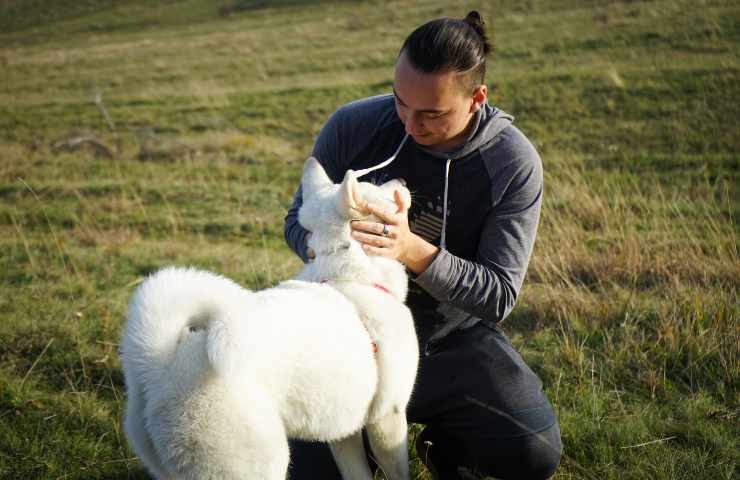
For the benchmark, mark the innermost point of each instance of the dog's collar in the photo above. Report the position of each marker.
(382, 289)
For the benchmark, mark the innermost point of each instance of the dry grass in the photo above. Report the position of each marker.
(630, 309)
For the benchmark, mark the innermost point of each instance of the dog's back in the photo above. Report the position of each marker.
(173, 346)
(219, 377)
(213, 369)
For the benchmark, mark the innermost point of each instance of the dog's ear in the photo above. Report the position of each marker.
(348, 195)
(392, 185)
(314, 178)
(401, 194)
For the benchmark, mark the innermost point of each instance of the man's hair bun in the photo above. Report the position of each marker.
(451, 44)
(474, 19)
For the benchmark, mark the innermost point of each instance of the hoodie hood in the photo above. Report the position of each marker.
(489, 121)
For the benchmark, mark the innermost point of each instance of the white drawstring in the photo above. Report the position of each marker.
(443, 239)
(365, 171)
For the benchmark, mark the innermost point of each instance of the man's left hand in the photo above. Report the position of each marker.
(398, 242)
(395, 240)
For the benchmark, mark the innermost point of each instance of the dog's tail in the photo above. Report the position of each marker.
(177, 315)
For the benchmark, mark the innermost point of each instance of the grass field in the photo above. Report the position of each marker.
(144, 133)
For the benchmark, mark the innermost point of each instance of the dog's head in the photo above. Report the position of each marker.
(327, 211)
(328, 205)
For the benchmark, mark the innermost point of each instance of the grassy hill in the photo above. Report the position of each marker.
(144, 133)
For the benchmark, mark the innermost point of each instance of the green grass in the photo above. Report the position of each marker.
(630, 309)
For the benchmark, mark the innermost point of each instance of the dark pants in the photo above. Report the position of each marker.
(484, 410)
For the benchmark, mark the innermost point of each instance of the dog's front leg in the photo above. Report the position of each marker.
(349, 453)
(389, 443)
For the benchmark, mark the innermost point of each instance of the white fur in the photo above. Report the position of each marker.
(218, 377)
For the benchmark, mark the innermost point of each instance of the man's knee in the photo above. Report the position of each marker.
(532, 457)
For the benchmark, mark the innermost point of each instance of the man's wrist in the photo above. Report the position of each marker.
(419, 255)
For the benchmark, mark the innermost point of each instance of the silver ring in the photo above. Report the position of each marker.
(386, 230)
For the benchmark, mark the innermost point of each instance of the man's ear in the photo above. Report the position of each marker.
(480, 95)
(348, 198)
(314, 178)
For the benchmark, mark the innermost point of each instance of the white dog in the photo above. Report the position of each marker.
(219, 377)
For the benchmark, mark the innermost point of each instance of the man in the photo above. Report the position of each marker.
(466, 241)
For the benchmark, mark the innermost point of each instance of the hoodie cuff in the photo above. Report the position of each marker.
(438, 278)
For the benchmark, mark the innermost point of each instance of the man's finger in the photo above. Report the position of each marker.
(370, 250)
(363, 226)
(402, 201)
(368, 239)
(375, 228)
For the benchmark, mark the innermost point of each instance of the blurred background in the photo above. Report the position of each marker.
(137, 134)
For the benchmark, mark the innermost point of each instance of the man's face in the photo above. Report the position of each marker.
(434, 107)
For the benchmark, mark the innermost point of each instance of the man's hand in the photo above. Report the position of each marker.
(399, 242)
(310, 254)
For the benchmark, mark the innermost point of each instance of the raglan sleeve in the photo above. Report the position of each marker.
(327, 150)
(488, 287)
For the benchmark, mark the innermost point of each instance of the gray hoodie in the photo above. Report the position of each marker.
(480, 204)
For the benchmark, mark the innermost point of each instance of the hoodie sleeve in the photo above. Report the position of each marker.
(341, 140)
(488, 287)
(295, 234)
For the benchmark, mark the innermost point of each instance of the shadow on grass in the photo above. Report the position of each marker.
(248, 5)
(523, 319)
